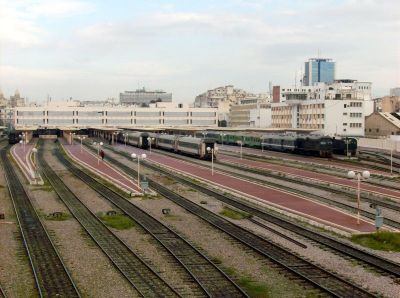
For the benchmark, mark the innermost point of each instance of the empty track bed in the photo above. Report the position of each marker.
(372, 260)
(51, 277)
(315, 275)
(147, 282)
(212, 280)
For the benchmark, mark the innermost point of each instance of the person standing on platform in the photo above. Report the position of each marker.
(102, 154)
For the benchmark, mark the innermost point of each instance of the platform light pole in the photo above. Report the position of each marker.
(81, 138)
(222, 138)
(241, 148)
(150, 139)
(23, 139)
(113, 137)
(35, 171)
(142, 156)
(212, 159)
(357, 175)
(125, 137)
(98, 151)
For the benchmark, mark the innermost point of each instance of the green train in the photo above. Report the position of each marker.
(322, 146)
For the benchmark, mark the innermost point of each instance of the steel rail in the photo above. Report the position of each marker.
(212, 280)
(51, 276)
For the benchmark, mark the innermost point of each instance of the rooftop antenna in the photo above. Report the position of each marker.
(318, 53)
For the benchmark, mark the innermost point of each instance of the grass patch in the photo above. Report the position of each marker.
(216, 260)
(47, 188)
(387, 241)
(253, 288)
(58, 216)
(234, 214)
(117, 221)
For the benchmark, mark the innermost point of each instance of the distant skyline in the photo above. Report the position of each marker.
(92, 50)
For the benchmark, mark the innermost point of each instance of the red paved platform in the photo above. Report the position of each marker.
(302, 158)
(22, 155)
(102, 168)
(278, 198)
(311, 175)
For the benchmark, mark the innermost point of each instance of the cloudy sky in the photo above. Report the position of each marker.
(95, 49)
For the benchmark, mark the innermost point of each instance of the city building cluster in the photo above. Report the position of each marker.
(318, 102)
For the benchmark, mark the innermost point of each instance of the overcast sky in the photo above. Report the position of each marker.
(96, 49)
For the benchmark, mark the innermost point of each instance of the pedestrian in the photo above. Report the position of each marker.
(102, 154)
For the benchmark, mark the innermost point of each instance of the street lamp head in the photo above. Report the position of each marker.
(144, 155)
(351, 174)
(20, 142)
(101, 143)
(366, 174)
(133, 155)
(208, 149)
(34, 150)
(94, 143)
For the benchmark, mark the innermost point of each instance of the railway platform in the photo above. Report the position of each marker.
(102, 168)
(24, 157)
(295, 172)
(279, 199)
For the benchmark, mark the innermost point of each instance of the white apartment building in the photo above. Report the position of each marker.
(334, 109)
(224, 98)
(103, 116)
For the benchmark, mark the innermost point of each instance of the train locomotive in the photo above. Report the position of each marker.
(346, 146)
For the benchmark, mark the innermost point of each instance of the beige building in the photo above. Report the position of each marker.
(17, 100)
(388, 104)
(3, 100)
(382, 124)
(250, 114)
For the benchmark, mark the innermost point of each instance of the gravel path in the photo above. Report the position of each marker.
(16, 276)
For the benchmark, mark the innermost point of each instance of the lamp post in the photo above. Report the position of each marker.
(142, 156)
(364, 175)
(212, 159)
(22, 144)
(72, 138)
(241, 148)
(125, 137)
(98, 151)
(34, 150)
(23, 139)
(150, 139)
(113, 136)
(222, 139)
(81, 138)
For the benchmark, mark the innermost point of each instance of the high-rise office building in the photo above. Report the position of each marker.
(319, 70)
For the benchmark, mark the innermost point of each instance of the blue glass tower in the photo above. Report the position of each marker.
(319, 70)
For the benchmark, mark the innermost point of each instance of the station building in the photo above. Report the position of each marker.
(113, 116)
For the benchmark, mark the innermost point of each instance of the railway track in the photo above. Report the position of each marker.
(210, 278)
(315, 275)
(51, 276)
(372, 260)
(266, 173)
(144, 279)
